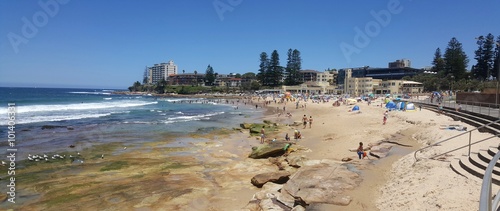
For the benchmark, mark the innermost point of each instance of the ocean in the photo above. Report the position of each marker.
(49, 120)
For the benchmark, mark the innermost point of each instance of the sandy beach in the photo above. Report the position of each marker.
(213, 172)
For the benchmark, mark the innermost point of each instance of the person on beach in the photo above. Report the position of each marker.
(310, 121)
(304, 121)
(361, 151)
(262, 135)
(287, 138)
(386, 114)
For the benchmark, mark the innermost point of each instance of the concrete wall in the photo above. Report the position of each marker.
(476, 98)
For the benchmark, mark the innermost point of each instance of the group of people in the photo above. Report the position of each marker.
(306, 120)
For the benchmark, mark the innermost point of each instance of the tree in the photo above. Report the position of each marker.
(456, 60)
(249, 75)
(484, 56)
(293, 66)
(136, 87)
(195, 80)
(210, 76)
(263, 67)
(276, 71)
(438, 62)
(496, 61)
(237, 75)
(183, 71)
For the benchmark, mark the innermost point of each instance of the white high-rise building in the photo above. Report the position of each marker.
(161, 71)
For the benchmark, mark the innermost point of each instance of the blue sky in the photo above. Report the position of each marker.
(107, 44)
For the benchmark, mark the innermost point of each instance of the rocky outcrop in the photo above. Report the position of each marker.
(317, 181)
(322, 183)
(295, 161)
(279, 177)
(272, 149)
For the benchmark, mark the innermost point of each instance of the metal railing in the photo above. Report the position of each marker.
(455, 136)
(489, 109)
(485, 202)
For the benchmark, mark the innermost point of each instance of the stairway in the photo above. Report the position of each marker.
(473, 167)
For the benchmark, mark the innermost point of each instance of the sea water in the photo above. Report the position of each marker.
(49, 120)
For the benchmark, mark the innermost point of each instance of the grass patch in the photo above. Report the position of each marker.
(114, 166)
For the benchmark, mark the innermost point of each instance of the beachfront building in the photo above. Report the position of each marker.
(412, 87)
(378, 73)
(161, 71)
(399, 87)
(186, 79)
(228, 80)
(316, 76)
(400, 63)
(361, 86)
(312, 87)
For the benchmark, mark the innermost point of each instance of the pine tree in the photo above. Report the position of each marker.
(293, 66)
(297, 65)
(210, 76)
(455, 60)
(438, 62)
(263, 67)
(288, 69)
(484, 56)
(275, 71)
(496, 61)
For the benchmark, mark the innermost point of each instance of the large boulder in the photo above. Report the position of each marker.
(246, 125)
(322, 183)
(276, 177)
(272, 149)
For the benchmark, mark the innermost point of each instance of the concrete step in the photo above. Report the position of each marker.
(455, 166)
(478, 162)
(476, 171)
(486, 156)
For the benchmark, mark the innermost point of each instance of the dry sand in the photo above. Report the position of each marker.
(397, 182)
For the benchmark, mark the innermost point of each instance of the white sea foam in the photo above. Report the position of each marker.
(56, 118)
(108, 98)
(78, 106)
(92, 93)
(191, 118)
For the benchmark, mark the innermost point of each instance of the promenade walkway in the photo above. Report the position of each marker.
(474, 107)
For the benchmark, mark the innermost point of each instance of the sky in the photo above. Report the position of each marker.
(108, 44)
